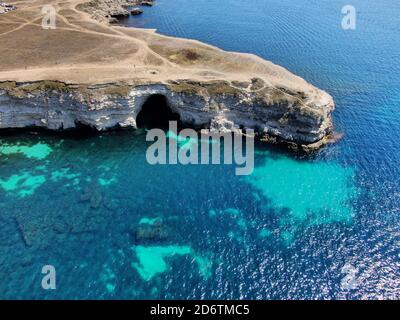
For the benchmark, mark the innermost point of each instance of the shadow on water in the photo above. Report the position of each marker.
(80, 132)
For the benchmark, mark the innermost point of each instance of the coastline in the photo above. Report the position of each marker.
(109, 10)
(82, 194)
(113, 70)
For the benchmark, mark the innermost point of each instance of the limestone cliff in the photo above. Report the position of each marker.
(88, 72)
(272, 113)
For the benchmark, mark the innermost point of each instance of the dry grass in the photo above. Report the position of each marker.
(83, 50)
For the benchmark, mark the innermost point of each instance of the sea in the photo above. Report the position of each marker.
(109, 225)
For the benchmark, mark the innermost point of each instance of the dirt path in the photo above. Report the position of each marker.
(83, 50)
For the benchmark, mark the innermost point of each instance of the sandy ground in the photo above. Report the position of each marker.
(83, 50)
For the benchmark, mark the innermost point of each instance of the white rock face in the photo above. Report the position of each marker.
(274, 116)
(107, 9)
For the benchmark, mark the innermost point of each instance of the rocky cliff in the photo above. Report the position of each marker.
(99, 75)
(107, 10)
(274, 114)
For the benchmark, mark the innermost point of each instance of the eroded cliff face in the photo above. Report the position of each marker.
(303, 120)
(100, 75)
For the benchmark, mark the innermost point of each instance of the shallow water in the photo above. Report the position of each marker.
(115, 227)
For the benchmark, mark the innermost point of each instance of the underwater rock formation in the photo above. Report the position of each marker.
(156, 231)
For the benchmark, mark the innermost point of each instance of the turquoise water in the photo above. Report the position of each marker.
(115, 227)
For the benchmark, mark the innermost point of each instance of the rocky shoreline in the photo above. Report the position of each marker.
(111, 10)
(205, 86)
(275, 117)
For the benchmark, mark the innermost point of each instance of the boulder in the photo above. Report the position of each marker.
(136, 11)
(147, 3)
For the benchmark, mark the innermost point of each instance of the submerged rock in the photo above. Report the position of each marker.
(26, 238)
(155, 231)
(93, 195)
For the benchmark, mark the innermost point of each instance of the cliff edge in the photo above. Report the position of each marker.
(86, 71)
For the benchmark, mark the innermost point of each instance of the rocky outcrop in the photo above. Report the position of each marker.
(136, 11)
(110, 9)
(147, 3)
(5, 7)
(107, 9)
(100, 75)
(274, 114)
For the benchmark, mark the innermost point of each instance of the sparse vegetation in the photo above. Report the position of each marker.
(214, 88)
(21, 90)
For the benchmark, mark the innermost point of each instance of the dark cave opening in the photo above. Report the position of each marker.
(156, 113)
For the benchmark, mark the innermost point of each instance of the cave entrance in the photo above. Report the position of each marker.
(156, 113)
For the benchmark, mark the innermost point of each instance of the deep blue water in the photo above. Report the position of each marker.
(290, 230)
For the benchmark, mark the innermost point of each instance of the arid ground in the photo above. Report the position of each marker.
(83, 50)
